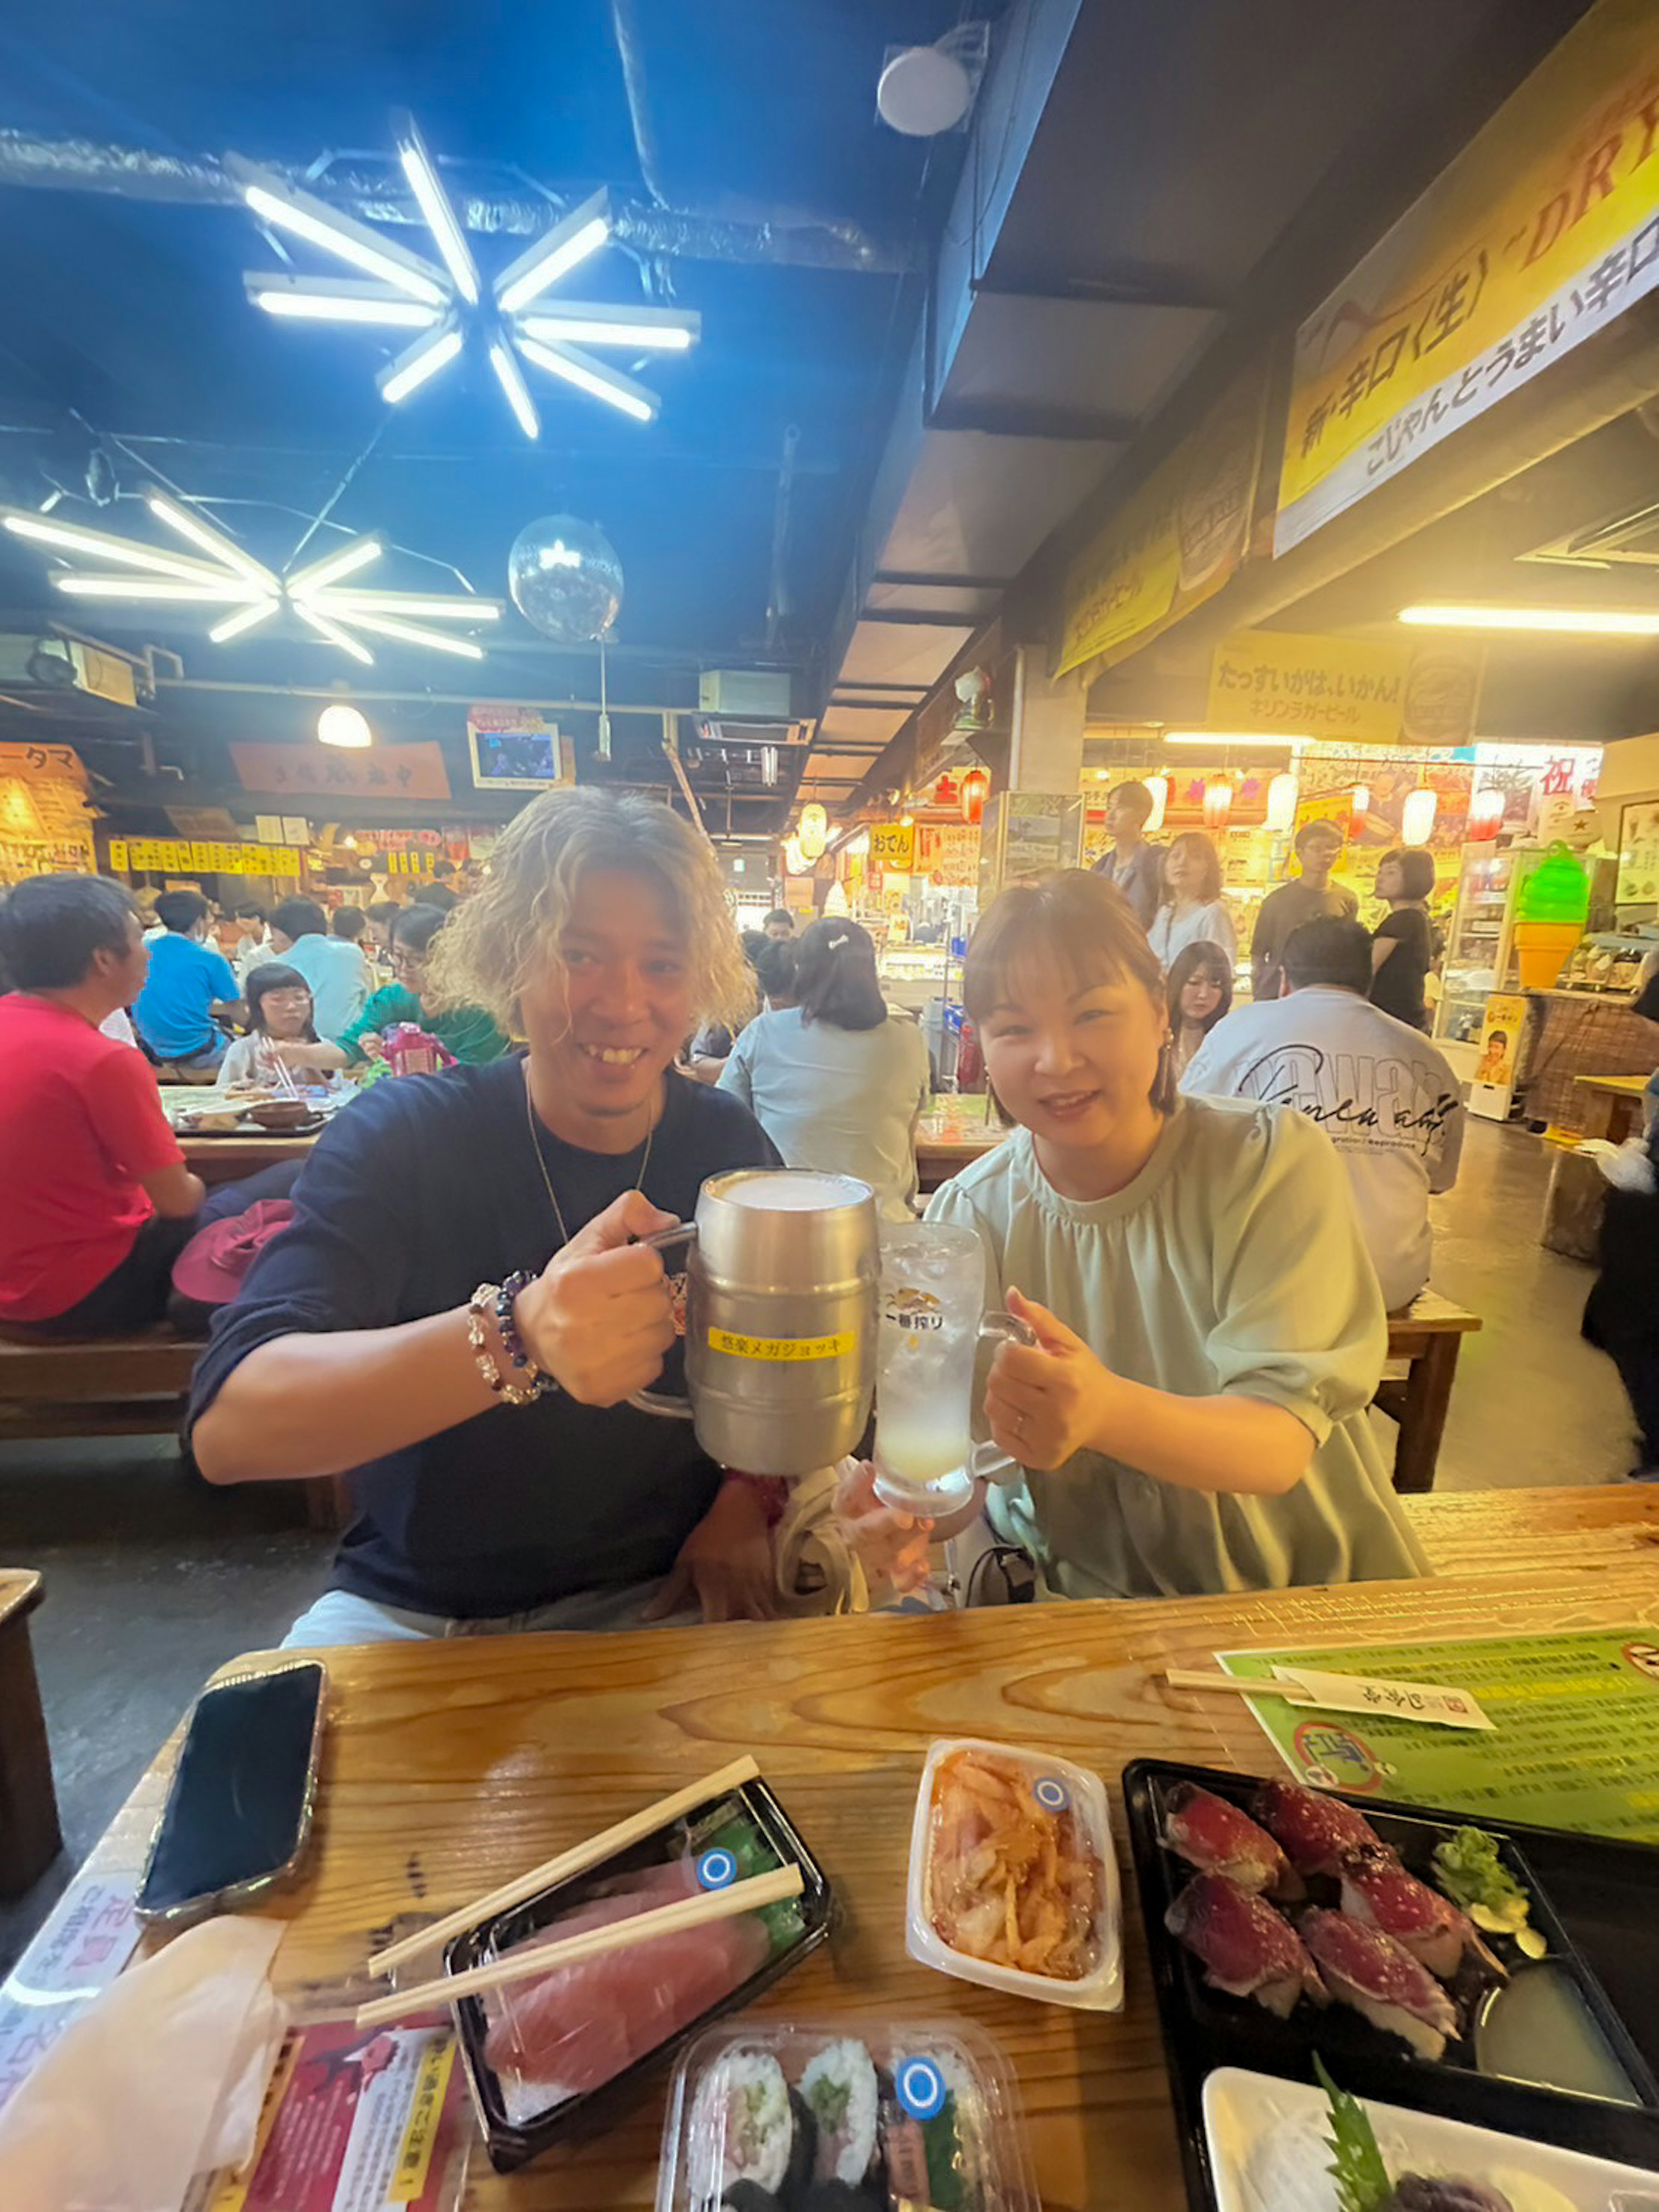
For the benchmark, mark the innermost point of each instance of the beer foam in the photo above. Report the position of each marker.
(794, 1190)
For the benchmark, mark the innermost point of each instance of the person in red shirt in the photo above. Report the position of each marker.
(95, 1199)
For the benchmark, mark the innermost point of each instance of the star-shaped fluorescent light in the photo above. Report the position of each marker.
(510, 320)
(322, 594)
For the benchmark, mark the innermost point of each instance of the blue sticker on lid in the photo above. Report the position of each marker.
(717, 1870)
(921, 2089)
(1051, 1793)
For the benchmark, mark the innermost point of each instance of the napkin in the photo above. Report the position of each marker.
(160, 2078)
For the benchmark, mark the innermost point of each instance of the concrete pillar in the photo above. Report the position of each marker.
(1046, 753)
(1035, 824)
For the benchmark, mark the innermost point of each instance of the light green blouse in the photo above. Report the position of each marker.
(1232, 1262)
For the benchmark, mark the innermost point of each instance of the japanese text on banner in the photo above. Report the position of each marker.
(1542, 232)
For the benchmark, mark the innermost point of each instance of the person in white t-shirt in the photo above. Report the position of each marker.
(1381, 1091)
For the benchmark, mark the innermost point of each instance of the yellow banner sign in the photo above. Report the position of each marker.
(201, 857)
(1173, 543)
(1346, 689)
(892, 848)
(1543, 231)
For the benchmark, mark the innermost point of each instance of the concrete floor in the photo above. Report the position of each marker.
(154, 1579)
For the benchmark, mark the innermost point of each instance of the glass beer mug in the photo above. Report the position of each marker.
(933, 1321)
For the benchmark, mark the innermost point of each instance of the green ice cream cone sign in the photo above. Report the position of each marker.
(1550, 917)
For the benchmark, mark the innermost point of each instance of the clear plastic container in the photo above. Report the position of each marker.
(764, 2117)
(1013, 1883)
(565, 2051)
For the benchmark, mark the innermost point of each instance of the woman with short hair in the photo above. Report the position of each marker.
(1402, 944)
(837, 1079)
(462, 1304)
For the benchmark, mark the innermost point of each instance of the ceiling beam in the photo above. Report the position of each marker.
(377, 193)
(1017, 418)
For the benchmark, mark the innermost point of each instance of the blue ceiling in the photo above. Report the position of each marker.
(129, 314)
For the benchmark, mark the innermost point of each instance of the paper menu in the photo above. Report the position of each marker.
(1575, 1743)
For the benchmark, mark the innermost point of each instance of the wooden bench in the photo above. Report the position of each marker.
(1429, 1335)
(30, 1838)
(115, 1386)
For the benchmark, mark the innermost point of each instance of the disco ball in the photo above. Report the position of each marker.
(565, 578)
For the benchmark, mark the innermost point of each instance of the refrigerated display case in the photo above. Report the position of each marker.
(1480, 955)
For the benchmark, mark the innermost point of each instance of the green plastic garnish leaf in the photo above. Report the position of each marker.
(1362, 2179)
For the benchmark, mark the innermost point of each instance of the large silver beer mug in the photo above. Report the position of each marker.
(781, 1314)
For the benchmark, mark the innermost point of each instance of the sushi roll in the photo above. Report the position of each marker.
(924, 2156)
(840, 2088)
(755, 2137)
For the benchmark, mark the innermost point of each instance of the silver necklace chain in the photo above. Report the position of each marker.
(541, 1161)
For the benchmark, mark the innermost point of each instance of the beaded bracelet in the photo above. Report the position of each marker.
(511, 1392)
(507, 1323)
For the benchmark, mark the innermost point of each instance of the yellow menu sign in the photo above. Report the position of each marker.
(893, 847)
(1543, 231)
(181, 856)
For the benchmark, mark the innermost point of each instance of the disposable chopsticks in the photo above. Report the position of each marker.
(532, 1960)
(577, 1860)
(1242, 1685)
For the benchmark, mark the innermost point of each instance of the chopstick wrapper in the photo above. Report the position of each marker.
(159, 2080)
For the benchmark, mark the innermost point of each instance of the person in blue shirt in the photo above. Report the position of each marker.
(190, 988)
(333, 966)
(458, 1312)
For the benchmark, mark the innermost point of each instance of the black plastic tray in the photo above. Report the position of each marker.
(513, 2144)
(1571, 1879)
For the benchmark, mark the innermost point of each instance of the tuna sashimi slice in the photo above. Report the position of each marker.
(1315, 1830)
(1380, 1979)
(581, 2025)
(1247, 1949)
(1216, 1838)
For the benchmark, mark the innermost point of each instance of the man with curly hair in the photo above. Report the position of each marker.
(457, 1315)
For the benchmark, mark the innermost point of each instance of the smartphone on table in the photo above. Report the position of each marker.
(239, 1809)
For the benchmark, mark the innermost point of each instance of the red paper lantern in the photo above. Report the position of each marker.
(975, 787)
(1486, 816)
(1359, 806)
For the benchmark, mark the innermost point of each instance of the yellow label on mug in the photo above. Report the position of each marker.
(782, 1348)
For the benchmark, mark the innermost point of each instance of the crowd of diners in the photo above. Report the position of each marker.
(1203, 1211)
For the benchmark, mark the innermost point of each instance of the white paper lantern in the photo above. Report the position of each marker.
(1282, 795)
(1158, 786)
(1416, 816)
(814, 830)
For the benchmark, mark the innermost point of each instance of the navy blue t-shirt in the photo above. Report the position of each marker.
(415, 1194)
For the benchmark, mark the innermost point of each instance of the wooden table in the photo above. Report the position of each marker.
(1614, 1107)
(1428, 1334)
(228, 1160)
(450, 1766)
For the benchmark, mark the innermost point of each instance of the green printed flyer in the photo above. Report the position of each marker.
(1575, 1743)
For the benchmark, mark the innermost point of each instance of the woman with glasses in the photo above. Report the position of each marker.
(467, 1032)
